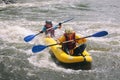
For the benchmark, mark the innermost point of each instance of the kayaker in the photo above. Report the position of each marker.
(71, 47)
(49, 29)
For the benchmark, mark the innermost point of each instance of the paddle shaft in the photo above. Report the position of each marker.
(61, 23)
(98, 34)
(76, 39)
(68, 41)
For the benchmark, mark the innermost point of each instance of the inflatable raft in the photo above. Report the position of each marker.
(66, 60)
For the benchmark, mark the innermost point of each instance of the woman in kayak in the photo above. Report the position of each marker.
(70, 47)
(49, 29)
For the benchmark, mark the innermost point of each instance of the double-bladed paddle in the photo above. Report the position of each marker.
(38, 48)
(30, 37)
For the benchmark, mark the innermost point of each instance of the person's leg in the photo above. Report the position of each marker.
(79, 50)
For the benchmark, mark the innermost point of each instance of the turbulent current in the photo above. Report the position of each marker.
(19, 18)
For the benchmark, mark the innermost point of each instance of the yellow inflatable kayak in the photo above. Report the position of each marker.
(66, 59)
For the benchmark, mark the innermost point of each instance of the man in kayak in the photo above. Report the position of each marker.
(70, 47)
(49, 29)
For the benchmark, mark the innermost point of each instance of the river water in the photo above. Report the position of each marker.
(25, 17)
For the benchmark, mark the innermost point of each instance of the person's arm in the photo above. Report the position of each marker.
(61, 39)
(43, 30)
(80, 41)
(58, 26)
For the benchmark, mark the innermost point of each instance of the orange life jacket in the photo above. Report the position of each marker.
(70, 45)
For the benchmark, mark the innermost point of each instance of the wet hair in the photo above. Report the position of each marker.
(69, 30)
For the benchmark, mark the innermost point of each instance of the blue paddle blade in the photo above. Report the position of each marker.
(38, 48)
(29, 38)
(100, 34)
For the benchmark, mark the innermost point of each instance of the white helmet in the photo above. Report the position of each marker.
(69, 30)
